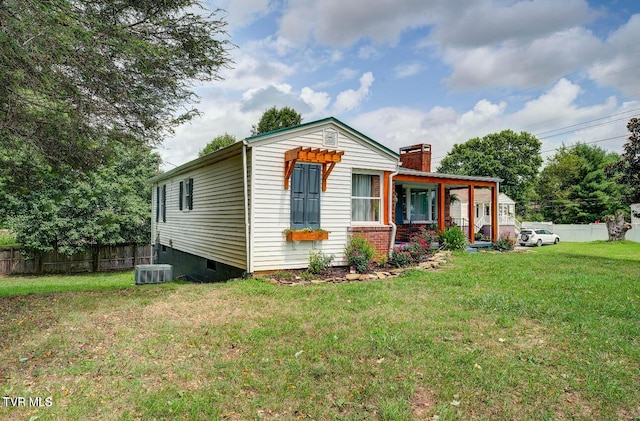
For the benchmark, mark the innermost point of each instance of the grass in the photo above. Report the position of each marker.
(549, 334)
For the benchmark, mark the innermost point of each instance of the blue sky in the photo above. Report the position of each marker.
(427, 71)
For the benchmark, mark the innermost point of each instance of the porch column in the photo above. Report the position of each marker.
(441, 213)
(471, 207)
(494, 213)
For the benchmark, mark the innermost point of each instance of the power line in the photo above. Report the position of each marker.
(589, 121)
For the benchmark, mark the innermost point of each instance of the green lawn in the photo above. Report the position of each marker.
(552, 333)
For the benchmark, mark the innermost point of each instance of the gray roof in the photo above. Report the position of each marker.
(407, 171)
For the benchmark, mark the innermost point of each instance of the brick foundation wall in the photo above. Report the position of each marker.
(379, 236)
(405, 231)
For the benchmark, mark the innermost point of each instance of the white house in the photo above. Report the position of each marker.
(482, 210)
(227, 213)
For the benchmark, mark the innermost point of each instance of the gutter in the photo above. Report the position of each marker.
(246, 208)
(394, 227)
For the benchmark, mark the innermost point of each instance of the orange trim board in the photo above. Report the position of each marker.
(445, 181)
(328, 159)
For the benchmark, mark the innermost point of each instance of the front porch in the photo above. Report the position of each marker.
(424, 201)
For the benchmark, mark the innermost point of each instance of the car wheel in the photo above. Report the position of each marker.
(525, 237)
(539, 243)
(556, 241)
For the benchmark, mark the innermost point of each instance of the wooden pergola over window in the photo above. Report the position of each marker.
(328, 159)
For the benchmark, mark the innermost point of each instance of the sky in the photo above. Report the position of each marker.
(426, 71)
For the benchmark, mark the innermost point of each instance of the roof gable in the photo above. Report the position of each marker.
(287, 132)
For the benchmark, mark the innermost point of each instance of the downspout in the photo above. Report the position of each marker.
(497, 211)
(394, 228)
(246, 207)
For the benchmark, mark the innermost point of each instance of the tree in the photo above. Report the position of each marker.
(80, 75)
(573, 188)
(628, 167)
(617, 226)
(508, 155)
(218, 142)
(274, 119)
(72, 211)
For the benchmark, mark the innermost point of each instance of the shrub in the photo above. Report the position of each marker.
(319, 262)
(454, 239)
(359, 253)
(401, 256)
(505, 243)
(418, 248)
(421, 244)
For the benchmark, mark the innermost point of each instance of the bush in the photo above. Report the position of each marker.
(401, 256)
(418, 248)
(454, 239)
(359, 253)
(505, 243)
(319, 262)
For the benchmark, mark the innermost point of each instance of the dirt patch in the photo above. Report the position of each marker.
(421, 403)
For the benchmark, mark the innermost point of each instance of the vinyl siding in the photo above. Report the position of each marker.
(271, 202)
(215, 228)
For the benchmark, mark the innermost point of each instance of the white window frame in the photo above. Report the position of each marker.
(432, 205)
(380, 199)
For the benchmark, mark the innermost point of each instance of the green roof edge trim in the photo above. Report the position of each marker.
(324, 120)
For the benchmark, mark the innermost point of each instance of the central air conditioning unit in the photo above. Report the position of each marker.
(153, 274)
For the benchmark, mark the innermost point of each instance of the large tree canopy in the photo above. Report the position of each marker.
(508, 155)
(70, 211)
(275, 119)
(79, 74)
(628, 167)
(573, 189)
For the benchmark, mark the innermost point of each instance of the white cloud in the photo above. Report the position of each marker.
(442, 127)
(248, 71)
(620, 63)
(490, 22)
(522, 65)
(340, 23)
(350, 99)
(242, 12)
(368, 52)
(407, 70)
(317, 100)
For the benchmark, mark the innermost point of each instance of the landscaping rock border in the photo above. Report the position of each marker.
(434, 262)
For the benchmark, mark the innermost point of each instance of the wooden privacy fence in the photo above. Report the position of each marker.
(98, 259)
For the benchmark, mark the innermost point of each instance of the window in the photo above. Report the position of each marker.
(416, 205)
(422, 205)
(186, 194)
(365, 198)
(305, 196)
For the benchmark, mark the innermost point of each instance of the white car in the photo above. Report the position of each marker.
(537, 237)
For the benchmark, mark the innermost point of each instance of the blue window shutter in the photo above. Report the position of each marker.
(314, 177)
(305, 196)
(181, 198)
(190, 200)
(297, 196)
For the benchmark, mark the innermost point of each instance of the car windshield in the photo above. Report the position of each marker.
(525, 232)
